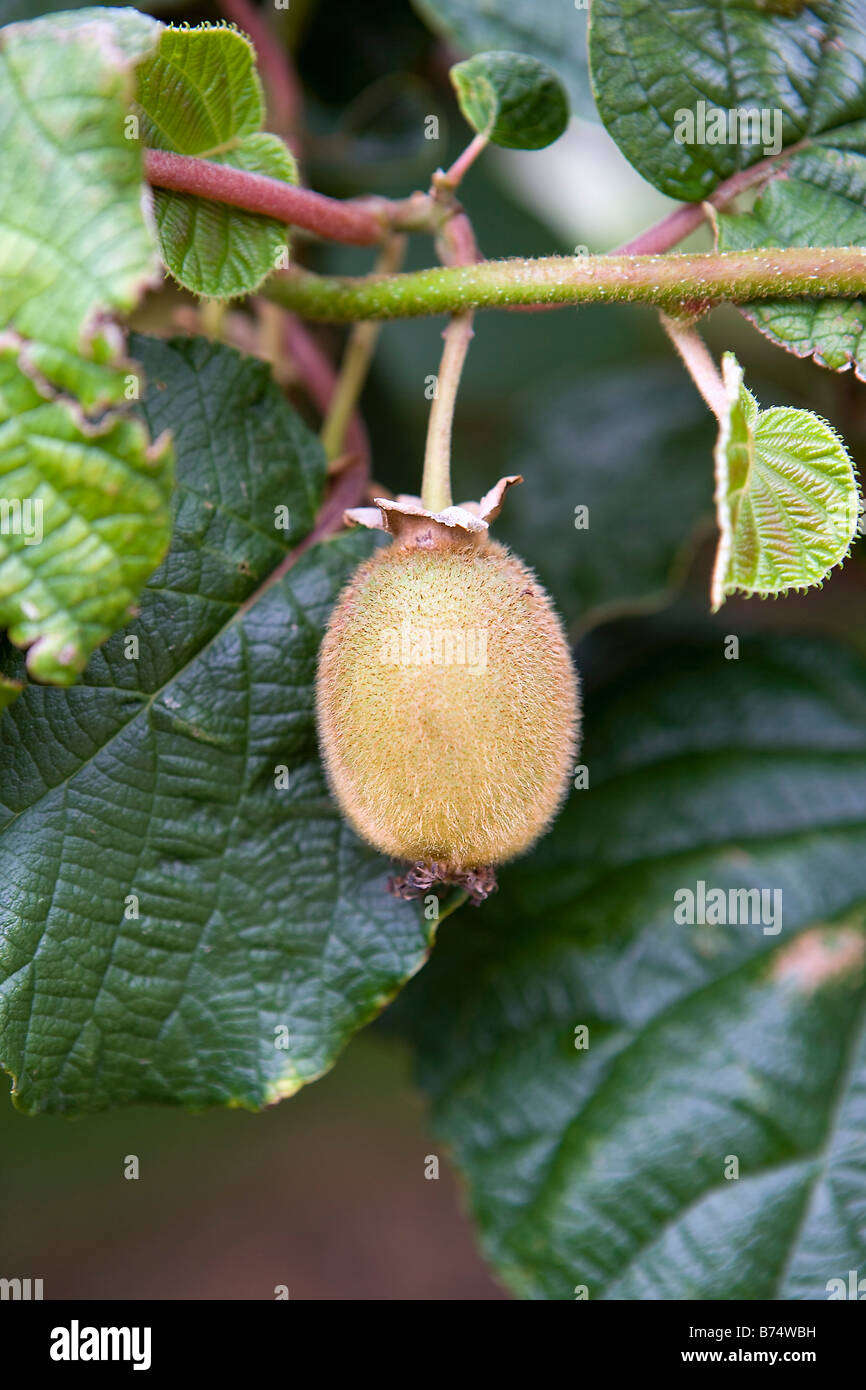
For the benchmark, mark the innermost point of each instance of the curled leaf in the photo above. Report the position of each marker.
(786, 496)
(513, 100)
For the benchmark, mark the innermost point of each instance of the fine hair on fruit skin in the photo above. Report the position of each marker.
(447, 704)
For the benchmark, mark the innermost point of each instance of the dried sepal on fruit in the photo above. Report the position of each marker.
(447, 700)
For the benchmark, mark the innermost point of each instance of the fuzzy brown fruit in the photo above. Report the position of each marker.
(447, 701)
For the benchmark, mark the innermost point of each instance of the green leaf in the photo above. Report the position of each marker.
(76, 245)
(513, 100)
(819, 202)
(86, 519)
(609, 1165)
(200, 95)
(184, 906)
(786, 496)
(553, 33)
(660, 72)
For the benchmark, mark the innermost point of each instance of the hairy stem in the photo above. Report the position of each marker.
(357, 224)
(683, 285)
(698, 363)
(356, 362)
(364, 222)
(436, 483)
(686, 218)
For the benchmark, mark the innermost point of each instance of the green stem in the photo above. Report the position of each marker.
(436, 482)
(684, 285)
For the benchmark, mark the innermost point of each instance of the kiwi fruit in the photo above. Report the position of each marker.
(447, 702)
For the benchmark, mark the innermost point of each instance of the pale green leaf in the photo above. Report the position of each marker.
(84, 519)
(76, 242)
(786, 496)
(200, 95)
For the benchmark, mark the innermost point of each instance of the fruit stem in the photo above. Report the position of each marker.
(356, 361)
(698, 363)
(436, 483)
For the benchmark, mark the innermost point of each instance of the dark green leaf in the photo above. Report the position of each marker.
(662, 72)
(166, 905)
(513, 100)
(819, 202)
(618, 482)
(610, 1166)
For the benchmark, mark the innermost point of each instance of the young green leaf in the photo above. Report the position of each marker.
(200, 95)
(553, 33)
(597, 1048)
(786, 496)
(512, 100)
(86, 519)
(199, 926)
(77, 244)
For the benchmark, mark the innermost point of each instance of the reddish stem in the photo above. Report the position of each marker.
(688, 216)
(665, 234)
(462, 163)
(356, 224)
(455, 241)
